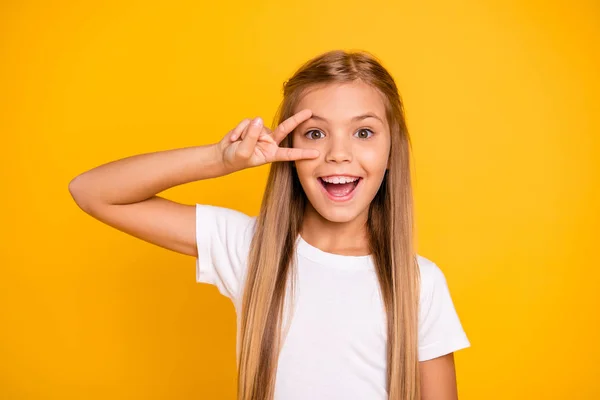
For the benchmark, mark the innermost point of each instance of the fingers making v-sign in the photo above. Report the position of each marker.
(251, 144)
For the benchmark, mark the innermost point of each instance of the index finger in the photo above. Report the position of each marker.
(290, 124)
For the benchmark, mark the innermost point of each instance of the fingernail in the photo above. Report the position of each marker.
(257, 121)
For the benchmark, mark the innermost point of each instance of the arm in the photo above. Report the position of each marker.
(438, 378)
(122, 193)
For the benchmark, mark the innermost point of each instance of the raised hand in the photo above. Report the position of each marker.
(251, 144)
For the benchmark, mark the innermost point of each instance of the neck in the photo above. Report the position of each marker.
(344, 238)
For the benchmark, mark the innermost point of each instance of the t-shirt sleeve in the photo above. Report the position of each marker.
(440, 330)
(223, 239)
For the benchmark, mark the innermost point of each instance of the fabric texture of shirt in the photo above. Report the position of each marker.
(335, 347)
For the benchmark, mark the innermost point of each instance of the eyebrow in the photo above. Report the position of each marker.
(357, 118)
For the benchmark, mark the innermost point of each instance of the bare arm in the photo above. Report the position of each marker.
(139, 177)
(438, 378)
(123, 193)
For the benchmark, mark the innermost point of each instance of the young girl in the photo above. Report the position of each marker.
(332, 300)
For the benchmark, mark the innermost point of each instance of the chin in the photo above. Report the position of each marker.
(332, 214)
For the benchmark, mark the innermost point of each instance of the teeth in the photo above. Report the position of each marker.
(340, 179)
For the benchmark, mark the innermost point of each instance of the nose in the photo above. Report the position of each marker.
(339, 150)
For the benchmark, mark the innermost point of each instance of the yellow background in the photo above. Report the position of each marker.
(502, 101)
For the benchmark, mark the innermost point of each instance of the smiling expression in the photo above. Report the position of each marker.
(349, 128)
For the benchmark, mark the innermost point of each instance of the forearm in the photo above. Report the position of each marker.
(139, 177)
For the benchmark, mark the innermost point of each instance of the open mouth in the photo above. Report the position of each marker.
(340, 191)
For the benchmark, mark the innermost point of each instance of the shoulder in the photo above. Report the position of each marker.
(227, 221)
(224, 234)
(223, 239)
(429, 271)
(223, 212)
(432, 279)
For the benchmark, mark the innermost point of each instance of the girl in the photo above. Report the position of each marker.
(332, 300)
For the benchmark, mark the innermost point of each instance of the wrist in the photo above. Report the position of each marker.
(222, 166)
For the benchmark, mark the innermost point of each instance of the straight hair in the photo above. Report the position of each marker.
(271, 268)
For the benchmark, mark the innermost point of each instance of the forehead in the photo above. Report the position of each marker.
(340, 102)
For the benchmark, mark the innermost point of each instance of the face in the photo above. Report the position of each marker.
(349, 128)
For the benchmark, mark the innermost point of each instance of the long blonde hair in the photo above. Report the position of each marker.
(390, 233)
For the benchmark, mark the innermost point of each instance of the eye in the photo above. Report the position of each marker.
(310, 136)
(364, 133)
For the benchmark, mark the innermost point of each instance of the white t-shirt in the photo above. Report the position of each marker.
(336, 344)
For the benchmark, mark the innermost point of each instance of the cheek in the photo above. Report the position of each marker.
(305, 169)
(374, 159)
